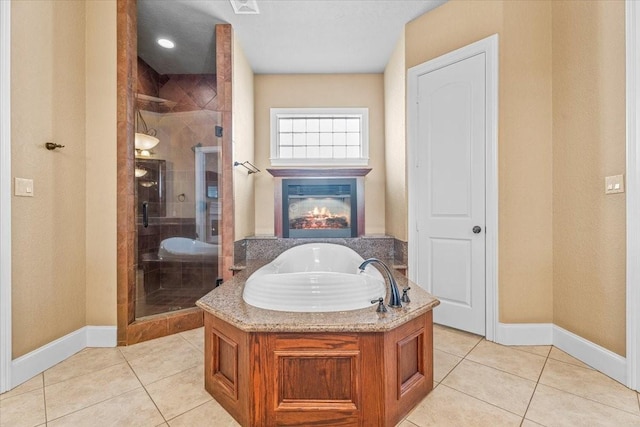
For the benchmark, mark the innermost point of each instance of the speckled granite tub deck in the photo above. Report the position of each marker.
(226, 303)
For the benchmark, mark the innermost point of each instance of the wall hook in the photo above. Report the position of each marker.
(53, 145)
(251, 168)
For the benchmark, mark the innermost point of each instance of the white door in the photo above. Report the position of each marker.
(450, 191)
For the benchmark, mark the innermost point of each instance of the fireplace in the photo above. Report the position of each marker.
(319, 203)
(319, 208)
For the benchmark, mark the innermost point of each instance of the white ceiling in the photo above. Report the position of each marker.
(288, 36)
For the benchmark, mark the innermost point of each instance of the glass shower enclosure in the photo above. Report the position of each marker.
(178, 207)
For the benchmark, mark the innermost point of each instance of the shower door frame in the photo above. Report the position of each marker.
(130, 330)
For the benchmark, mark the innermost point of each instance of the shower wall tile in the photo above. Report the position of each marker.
(188, 92)
(147, 330)
(147, 83)
(185, 320)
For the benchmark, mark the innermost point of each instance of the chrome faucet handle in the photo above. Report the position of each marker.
(405, 295)
(381, 307)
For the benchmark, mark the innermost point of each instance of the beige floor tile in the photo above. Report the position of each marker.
(133, 408)
(80, 392)
(195, 337)
(24, 409)
(211, 413)
(557, 354)
(453, 341)
(166, 362)
(490, 385)
(445, 406)
(590, 384)
(551, 407)
(443, 363)
(84, 362)
(34, 383)
(540, 350)
(146, 348)
(406, 423)
(516, 362)
(179, 393)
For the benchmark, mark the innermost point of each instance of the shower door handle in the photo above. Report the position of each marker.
(145, 214)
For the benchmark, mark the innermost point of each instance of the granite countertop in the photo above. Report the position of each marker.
(226, 303)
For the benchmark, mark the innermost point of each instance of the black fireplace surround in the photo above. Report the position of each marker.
(319, 207)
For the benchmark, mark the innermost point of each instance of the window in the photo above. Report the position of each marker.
(319, 136)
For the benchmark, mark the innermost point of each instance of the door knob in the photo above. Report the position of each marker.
(477, 229)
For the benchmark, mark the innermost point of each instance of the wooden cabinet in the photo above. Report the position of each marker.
(320, 379)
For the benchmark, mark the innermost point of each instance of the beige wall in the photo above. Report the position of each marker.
(101, 162)
(394, 143)
(589, 233)
(243, 130)
(321, 90)
(48, 104)
(524, 147)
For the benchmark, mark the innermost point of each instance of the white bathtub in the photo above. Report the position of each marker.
(315, 277)
(185, 249)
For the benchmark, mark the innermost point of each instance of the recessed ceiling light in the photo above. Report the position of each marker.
(166, 43)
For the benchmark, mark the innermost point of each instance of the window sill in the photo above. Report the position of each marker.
(319, 162)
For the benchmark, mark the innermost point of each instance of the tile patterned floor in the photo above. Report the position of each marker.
(477, 383)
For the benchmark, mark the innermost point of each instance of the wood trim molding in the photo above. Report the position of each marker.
(280, 174)
(224, 74)
(126, 228)
(319, 173)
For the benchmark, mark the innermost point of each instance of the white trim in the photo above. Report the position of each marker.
(5, 195)
(361, 113)
(102, 336)
(524, 333)
(43, 358)
(633, 194)
(605, 361)
(488, 46)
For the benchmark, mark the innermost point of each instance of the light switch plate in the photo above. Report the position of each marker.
(614, 184)
(24, 187)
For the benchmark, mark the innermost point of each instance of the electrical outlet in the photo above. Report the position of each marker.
(614, 184)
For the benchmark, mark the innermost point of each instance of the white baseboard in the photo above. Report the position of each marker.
(102, 336)
(605, 361)
(524, 333)
(31, 364)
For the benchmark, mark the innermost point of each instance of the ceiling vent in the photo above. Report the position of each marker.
(245, 7)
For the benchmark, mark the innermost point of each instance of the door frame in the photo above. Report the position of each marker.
(488, 46)
(632, 17)
(5, 196)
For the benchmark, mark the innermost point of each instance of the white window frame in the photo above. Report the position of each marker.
(363, 113)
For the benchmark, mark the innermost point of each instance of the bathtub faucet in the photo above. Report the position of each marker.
(394, 298)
